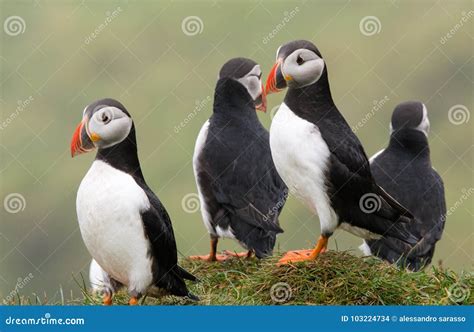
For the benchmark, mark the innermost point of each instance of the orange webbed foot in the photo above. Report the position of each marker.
(210, 258)
(107, 299)
(296, 256)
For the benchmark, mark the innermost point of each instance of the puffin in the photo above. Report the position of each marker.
(321, 160)
(125, 227)
(241, 194)
(404, 170)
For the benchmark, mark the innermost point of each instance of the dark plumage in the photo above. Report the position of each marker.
(329, 169)
(241, 192)
(404, 170)
(119, 159)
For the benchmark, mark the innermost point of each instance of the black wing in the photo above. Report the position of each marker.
(244, 179)
(351, 184)
(413, 186)
(167, 273)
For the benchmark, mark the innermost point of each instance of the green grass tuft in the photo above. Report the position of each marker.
(334, 278)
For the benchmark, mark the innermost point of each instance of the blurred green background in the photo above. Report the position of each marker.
(162, 62)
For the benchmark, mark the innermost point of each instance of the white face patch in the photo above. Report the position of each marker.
(252, 82)
(110, 124)
(424, 125)
(302, 68)
(278, 52)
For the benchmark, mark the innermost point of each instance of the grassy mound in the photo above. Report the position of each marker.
(334, 278)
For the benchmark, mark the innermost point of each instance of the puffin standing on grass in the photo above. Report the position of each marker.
(123, 224)
(404, 170)
(239, 188)
(320, 158)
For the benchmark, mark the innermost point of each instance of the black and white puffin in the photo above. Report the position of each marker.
(123, 224)
(321, 160)
(404, 170)
(239, 188)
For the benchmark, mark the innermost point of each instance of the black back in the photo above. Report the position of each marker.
(240, 183)
(404, 170)
(349, 176)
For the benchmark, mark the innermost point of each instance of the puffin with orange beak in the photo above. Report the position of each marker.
(320, 158)
(123, 223)
(240, 191)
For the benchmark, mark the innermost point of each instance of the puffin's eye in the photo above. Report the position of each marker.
(105, 118)
(299, 60)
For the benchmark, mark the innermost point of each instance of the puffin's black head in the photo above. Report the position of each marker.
(248, 73)
(298, 64)
(105, 123)
(410, 115)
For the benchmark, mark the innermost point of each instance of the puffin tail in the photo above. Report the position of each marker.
(186, 275)
(391, 209)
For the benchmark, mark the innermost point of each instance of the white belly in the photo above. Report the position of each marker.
(108, 206)
(301, 157)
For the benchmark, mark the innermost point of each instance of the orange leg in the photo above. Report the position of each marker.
(133, 301)
(107, 299)
(305, 255)
(213, 256)
(247, 254)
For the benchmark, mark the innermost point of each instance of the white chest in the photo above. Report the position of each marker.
(109, 203)
(301, 158)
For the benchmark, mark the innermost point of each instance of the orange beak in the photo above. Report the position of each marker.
(275, 81)
(263, 101)
(81, 142)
